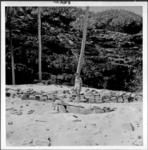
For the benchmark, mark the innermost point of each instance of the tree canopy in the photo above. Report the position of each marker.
(113, 55)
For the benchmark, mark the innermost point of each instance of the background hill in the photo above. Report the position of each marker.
(113, 55)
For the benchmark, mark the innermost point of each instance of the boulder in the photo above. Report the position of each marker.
(11, 93)
(8, 94)
(114, 99)
(32, 97)
(38, 97)
(120, 99)
(97, 98)
(25, 96)
(90, 98)
(105, 99)
(43, 98)
(97, 110)
(62, 108)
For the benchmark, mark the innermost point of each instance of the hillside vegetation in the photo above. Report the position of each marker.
(113, 54)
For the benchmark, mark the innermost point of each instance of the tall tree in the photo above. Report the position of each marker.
(81, 57)
(78, 81)
(40, 44)
(10, 12)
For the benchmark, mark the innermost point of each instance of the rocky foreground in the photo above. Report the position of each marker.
(101, 118)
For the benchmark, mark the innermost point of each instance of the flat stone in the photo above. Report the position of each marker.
(30, 112)
(74, 109)
(85, 111)
(97, 110)
(114, 99)
(77, 120)
(10, 123)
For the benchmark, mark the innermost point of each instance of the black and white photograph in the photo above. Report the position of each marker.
(74, 75)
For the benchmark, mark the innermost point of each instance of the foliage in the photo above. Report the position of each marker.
(113, 54)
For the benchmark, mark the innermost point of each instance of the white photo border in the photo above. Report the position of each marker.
(78, 4)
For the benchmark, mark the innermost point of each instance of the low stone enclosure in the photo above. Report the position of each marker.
(63, 100)
(87, 96)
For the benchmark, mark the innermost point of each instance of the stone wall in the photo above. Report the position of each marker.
(87, 96)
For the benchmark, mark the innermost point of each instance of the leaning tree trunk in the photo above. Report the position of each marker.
(40, 44)
(81, 57)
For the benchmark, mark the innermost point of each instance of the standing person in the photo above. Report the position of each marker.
(78, 86)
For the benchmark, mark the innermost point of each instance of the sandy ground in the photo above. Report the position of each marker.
(35, 123)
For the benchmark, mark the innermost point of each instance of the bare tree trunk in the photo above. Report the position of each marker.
(12, 56)
(40, 44)
(78, 80)
(81, 57)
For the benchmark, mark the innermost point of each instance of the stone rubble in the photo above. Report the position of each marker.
(88, 96)
(64, 101)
